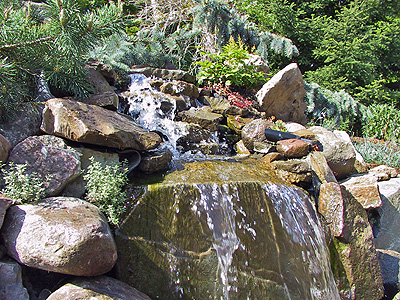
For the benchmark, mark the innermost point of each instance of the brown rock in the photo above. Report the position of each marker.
(5, 148)
(60, 234)
(282, 96)
(364, 188)
(176, 88)
(27, 124)
(155, 161)
(272, 156)
(54, 163)
(357, 254)
(97, 288)
(108, 100)
(255, 132)
(95, 125)
(383, 172)
(320, 167)
(293, 148)
(330, 205)
(241, 148)
(206, 119)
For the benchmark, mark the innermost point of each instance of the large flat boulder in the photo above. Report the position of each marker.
(225, 230)
(97, 288)
(282, 96)
(60, 234)
(91, 124)
(48, 157)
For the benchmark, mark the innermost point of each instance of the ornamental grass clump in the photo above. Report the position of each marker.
(21, 186)
(105, 188)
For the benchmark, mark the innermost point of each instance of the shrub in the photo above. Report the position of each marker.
(383, 122)
(21, 186)
(381, 153)
(334, 110)
(229, 67)
(104, 187)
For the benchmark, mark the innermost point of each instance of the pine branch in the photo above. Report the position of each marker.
(27, 43)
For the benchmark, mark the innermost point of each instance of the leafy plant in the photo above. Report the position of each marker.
(104, 187)
(383, 122)
(229, 67)
(21, 186)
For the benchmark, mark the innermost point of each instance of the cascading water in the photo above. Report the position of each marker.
(227, 231)
(146, 108)
(218, 229)
(298, 217)
(216, 202)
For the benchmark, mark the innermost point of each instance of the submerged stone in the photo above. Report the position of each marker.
(224, 230)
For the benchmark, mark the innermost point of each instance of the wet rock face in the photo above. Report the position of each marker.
(62, 235)
(91, 124)
(207, 233)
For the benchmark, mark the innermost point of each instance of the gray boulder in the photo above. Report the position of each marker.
(282, 96)
(50, 158)
(389, 261)
(387, 234)
(338, 150)
(60, 234)
(11, 287)
(97, 288)
(28, 123)
(166, 74)
(95, 125)
(5, 203)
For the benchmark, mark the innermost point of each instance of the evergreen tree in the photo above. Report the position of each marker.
(51, 41)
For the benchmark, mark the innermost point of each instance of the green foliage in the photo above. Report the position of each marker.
(104, 187)
(50, 39)
(21, 186)
(381, 153)
(351, 45)
(229, 67)
(334, 110)
(383, 122)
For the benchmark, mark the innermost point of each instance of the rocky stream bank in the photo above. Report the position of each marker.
(62, 247)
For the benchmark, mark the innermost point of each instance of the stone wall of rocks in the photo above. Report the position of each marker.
(68, 236)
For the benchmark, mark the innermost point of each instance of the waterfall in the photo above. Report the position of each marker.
(216, 202)
(146, 108)
(299, 219)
